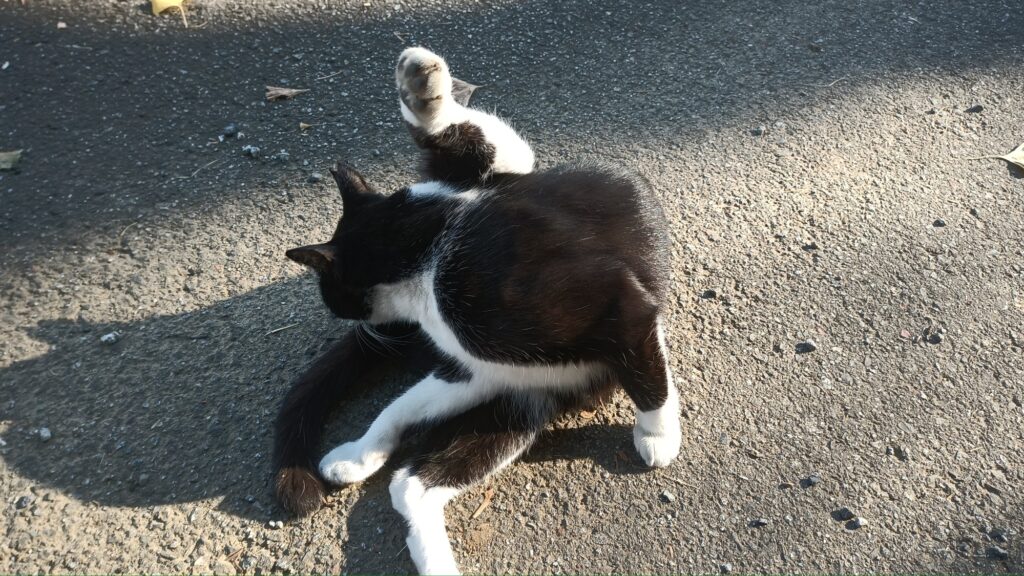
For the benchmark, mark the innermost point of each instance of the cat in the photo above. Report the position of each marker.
(514, 295)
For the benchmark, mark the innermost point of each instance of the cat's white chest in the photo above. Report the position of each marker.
(415, 300)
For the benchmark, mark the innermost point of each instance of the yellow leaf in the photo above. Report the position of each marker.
(278, 93)
(8, 160)
(160, 6)
(1016, 157)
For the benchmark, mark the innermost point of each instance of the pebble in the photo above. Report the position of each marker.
(230, 131)
(857, 523)
(975, 109)
(997, 552)
(806, 346)
(315, 177)
(110, 338)
(939, 223)
(251, 151)
(759, 131)
(275, 524)
(667, 496)
(934, 338)
(24, 502)
(45, 434)
(812, 480)
(999, 535)
(725, 568)
(708, 294)
(758, 523)
(843, 514)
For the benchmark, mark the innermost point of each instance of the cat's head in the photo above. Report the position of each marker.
(380, 239)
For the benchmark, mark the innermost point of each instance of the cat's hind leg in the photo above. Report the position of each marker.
(462, 145)
(455, 455)
(645, 376)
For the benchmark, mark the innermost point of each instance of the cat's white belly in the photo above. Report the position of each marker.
(415, 300)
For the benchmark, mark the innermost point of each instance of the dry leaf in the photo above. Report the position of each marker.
(159, 6)
(278, 93)
(303, 126)
(1016, 157)
(462, 91)
(587, 415)
(8, 160)
(488, 494)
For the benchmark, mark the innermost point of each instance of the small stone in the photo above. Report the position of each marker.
(843, 514)
(24, 502)
(934, 338)
(900, 452)
(667, 496)
(251, 151)
(975, 109)
(856, 524)
(725, 568)
(810, 481)
(110, 338)
(806, 347)
(222, 567)
(275, 524)
(810, 246)
(939, 223)
(45, 434)
(999, 535)
(230, 131)
(708, 294)
(997, 552)
(759, 131)
(281, 156)
(758, 523)
(315, 177)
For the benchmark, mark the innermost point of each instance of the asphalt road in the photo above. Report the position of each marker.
(812, 157)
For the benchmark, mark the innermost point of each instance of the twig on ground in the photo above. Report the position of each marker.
(328, 76)
(282, 329)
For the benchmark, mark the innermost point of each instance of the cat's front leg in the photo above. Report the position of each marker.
(430, 399)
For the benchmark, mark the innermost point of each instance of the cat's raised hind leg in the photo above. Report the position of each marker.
(462, 145)
(455, 455)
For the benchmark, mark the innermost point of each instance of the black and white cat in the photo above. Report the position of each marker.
(523, 293)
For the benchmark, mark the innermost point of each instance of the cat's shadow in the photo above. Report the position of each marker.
(181, 407)
(376, 534)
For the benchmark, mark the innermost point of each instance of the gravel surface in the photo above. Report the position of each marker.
(805, 152)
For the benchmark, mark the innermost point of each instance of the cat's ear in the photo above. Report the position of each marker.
(353, 187)
(319, 257)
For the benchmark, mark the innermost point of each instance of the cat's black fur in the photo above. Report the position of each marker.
(565, 266)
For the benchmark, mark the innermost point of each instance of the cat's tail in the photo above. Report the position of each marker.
(343, 370)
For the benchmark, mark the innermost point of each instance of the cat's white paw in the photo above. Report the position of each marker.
(657, 450)
(425, 87)
(351, 462)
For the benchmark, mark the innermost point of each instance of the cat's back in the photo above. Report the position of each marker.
(539, 259)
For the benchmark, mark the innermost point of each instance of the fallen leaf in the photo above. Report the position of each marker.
(1016, 157)
(8, 160)
(484, 503)
(278, 93)
(159, 6)
(587, 415)
(462, 91)
(303, 126)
